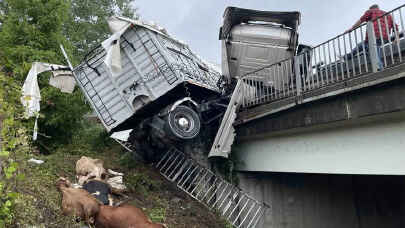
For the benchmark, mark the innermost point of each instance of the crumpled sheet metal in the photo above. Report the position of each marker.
(122, 135)
(226, 133)
(117, 183)
(118, 26)
(31, 95)
(63, 80)
(112, 45)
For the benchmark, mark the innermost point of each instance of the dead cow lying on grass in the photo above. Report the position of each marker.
(80, 203)
(88, 168)
(92, 175)
(88, 205)
(77, 202)
(125, 216)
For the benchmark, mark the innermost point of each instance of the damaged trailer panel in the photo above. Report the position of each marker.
(156, 72)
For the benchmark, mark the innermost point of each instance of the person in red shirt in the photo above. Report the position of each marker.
(385, 24)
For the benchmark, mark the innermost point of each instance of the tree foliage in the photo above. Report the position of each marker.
(32, 30)
(13, 147)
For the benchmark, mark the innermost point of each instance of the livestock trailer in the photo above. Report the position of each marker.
(162, 85)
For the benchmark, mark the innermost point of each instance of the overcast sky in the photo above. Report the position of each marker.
(197, 22)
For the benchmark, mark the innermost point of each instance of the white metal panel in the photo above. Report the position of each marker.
(374, 146)
(105, 99)
(226, 132)
(255, 46)
(261, 34)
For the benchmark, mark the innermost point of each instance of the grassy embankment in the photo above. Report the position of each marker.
(39, 204)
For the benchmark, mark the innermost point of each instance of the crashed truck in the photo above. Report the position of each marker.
(143, 81)
(141, 78)
(251, 41)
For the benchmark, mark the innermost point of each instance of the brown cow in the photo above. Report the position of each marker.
(77, 202)
(125, 216)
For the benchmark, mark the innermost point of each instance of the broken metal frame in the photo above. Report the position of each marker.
(236, 206)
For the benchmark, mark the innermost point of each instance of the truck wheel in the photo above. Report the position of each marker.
(183, 122)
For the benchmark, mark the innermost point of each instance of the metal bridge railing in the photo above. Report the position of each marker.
(352, 54)
(270, 83)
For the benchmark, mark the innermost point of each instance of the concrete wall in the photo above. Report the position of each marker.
(373, 145)
(328, 201)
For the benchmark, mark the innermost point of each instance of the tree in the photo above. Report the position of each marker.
(32, 31)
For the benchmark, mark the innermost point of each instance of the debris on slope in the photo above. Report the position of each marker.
(40, 203)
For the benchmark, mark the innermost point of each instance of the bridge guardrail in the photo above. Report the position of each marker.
(352, 54)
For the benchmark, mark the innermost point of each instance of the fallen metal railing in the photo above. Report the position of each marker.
(236, 206)
(352, 54)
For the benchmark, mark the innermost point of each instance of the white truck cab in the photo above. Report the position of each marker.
(254, 39)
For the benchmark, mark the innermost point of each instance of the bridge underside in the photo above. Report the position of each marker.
(328, 201)
(373, 145)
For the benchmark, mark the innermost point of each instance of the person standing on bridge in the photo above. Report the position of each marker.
(385, 24)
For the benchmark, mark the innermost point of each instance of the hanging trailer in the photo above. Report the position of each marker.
(162, 86)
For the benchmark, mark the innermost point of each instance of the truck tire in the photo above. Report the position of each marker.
(183, 122)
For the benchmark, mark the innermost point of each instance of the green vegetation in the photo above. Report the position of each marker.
(157, 214)
(39, 201)
(31, 30)
(14, 148)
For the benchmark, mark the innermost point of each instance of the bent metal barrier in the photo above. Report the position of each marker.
(353, 54)
(236, 206)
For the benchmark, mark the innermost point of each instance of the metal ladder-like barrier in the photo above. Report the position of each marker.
(99, 105)
(127, 145)
(169, 75)
(237, 207)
